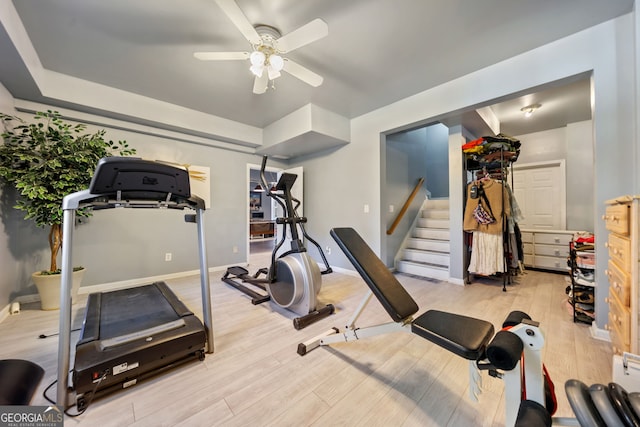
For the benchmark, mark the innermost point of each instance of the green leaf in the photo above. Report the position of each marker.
(48, 159)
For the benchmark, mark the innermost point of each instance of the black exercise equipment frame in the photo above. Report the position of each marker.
(127, 182)
(293, 220)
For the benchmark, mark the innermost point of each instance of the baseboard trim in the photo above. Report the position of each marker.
(599, 334)
(455, 281)
(132, 283)
(111, 286)
(26, 299)
(4, 313)
(345, 271)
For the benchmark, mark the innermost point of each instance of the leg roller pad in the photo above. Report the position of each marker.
(505, 350)
(515, 318)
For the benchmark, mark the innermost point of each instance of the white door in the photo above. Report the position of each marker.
(540, 190)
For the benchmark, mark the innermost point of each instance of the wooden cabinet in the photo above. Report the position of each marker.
(622, 220)
(546, 249)
(261, 229)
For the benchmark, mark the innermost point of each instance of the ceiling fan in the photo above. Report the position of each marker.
(268, 46)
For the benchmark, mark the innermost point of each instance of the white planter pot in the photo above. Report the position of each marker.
(49, 288)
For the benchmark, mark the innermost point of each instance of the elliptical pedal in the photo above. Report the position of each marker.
(236, 270)
(242, 273)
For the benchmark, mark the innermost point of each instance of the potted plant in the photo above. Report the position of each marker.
(44, 161)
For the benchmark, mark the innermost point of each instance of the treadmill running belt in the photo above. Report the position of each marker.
(131, 334)
(122, 313)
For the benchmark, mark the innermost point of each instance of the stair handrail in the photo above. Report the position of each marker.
(405, 207)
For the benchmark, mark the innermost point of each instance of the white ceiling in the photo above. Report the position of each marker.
(377, 52)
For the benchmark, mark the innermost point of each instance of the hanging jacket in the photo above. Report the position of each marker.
(495, 193)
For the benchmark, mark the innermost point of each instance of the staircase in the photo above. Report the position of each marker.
(427, 250)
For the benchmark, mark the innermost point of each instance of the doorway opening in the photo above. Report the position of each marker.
(262, 213)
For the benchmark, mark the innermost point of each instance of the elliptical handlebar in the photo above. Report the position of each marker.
(267, 187)
(292, 218)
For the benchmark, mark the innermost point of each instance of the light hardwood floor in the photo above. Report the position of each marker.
(255, 377)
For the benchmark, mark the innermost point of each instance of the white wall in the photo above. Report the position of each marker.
(543, 146)
(127, 244)
(339, 182)
(605, 50)
(574, 144)
(8, 267)
(580, 176)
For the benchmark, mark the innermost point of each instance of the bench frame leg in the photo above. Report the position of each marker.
(351, 332)
(526, 376)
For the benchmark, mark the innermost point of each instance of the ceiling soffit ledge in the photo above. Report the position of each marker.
(124, 105)
(307, 130)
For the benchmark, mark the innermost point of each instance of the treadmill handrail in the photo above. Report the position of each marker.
(84, 199)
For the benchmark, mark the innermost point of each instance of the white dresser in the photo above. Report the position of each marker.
(622, 219)
(546, 249)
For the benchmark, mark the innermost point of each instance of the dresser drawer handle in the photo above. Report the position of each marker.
(606, 245)
(607, 273)
(605, 217)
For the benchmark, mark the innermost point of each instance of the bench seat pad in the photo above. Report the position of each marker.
(465, 336)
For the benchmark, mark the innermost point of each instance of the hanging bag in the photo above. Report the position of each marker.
(480, 213)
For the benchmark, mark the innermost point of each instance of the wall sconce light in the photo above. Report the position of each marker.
(529, 109)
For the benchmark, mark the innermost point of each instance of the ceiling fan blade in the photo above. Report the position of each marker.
(233, 12)
(260, 84)
(221, 56)
(308, 33)
(304, 74)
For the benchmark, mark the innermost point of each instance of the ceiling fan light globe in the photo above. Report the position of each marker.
(257, 70)
(276, 62)
(273, 73)
(257, 58)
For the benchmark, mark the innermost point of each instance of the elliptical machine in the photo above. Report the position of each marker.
(293, 279)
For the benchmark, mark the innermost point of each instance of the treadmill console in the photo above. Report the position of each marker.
(139, 179)
(286, 181)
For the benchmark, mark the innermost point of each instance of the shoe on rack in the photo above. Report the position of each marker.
(587, 276)
(583, 317)
(589, 313)
(585, 308)
(584, 297)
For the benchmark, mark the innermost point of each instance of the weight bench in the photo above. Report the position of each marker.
(464, 336)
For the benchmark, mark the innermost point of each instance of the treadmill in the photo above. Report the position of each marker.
(130, 334)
